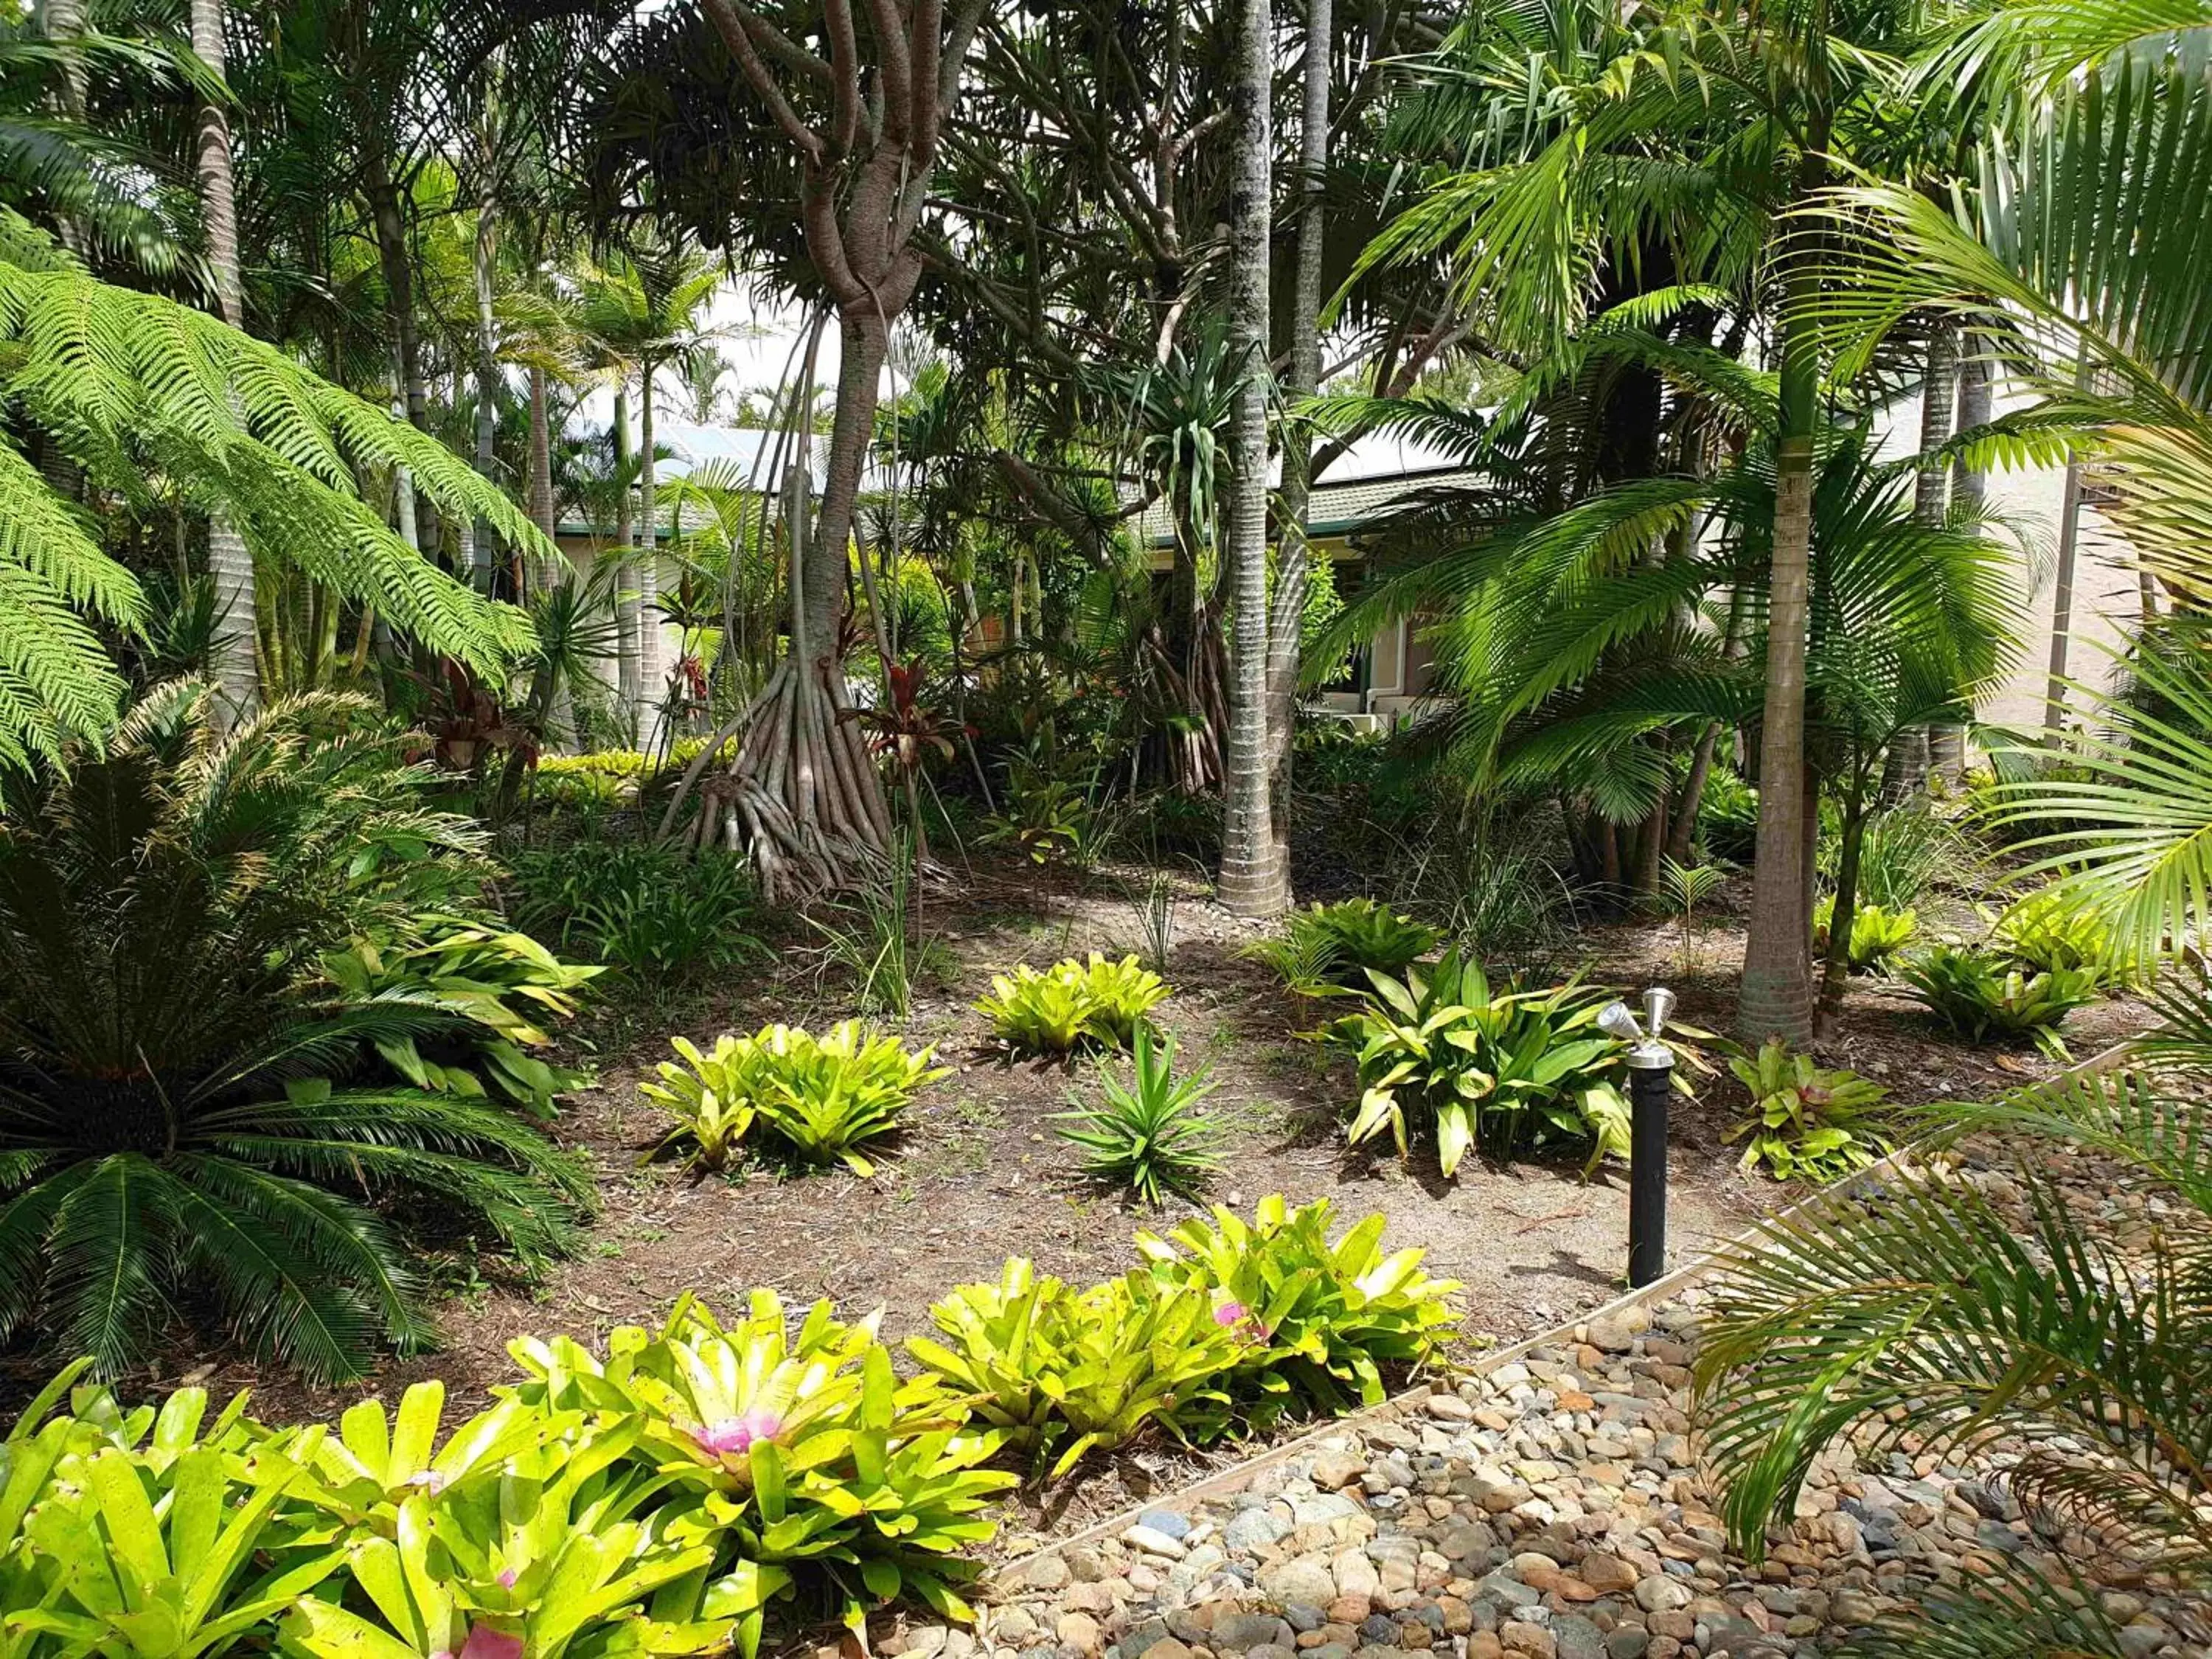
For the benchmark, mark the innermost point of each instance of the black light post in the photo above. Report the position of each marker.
(1650, 1080)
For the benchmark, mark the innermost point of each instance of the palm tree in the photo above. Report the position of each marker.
(642, 310)
(229, 562)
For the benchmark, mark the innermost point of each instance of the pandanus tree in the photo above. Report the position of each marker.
(846, 108)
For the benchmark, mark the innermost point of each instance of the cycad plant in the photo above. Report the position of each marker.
(196, 1120)
(1962, 1319)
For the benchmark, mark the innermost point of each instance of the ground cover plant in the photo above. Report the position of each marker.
(1981, 996)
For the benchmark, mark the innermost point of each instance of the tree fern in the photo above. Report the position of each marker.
(150, 397)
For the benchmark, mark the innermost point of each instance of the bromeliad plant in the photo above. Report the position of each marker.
(1060, 1008)
(1324, 1319)
(1807, 1123)
(1077, 1371)
(804, 1447)
(1444, 1052)
(134, 1535)
(1148, 1136)
(1335, 945)
(1877, 935)
(1981, 997)
(821, 1098)
(2053, 931)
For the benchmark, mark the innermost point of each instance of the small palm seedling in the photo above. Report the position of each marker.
(1807, 1121)
(1682, 889)
(1149, 1135)
(1980, 998)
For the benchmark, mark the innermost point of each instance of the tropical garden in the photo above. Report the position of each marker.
(792, 793)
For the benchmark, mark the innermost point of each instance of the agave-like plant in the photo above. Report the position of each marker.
(193, 1115)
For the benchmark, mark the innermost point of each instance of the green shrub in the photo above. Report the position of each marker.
(1337, 944)
(1442, 1052)
(804, 1446)
(1904, 851)
(1979, 997)
(1877, 934)
(1728, 817)
(1074, 1372)
(2052, 930)
(1149, 1136)
(238, 1131)
(1806, 1122)
(1044, 817)
(1325, 1317)
(820, 1097)
(1055, 1010)
(662, 917)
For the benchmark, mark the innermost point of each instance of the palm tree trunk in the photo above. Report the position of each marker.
(487, 254)
(1776, 996)
(626, 675)
(1905, 770)
(649, 685)
(1947, 744)
(1254, 882)
(2062, 597)
(1292, 551)
(541, 454)
(230, 562)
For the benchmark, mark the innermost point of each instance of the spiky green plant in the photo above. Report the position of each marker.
(1147, 1135)
(1981, 997)
(194, 1117)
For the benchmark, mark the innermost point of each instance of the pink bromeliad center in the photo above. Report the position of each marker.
(734, 1436)
(486, 1643)
(1231, 1313)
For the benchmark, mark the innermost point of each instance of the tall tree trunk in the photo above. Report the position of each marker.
(541, 453)
(626, 677)
(1905, 768)
(1293, 550)
(1947, 742)
(649, 686)
(2061, 597)
(1254, 882)
(487, 254)
(230, 562)
(1776, 996)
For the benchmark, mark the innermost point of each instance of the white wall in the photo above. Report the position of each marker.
(2105, 603)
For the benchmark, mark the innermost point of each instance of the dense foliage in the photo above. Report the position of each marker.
(251, 1053)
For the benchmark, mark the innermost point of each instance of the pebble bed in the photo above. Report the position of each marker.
(1550, 1508)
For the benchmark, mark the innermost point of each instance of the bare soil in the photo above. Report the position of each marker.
(978, 1174)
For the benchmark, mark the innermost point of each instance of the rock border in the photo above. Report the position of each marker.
(1235, 1478)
